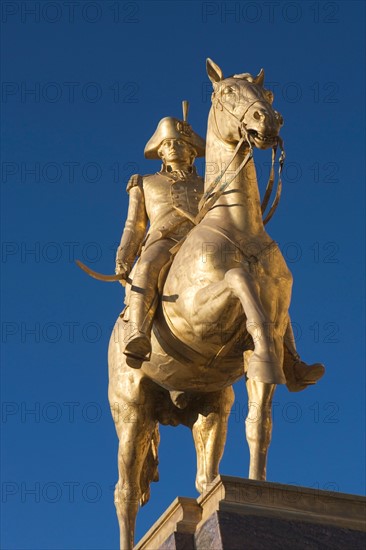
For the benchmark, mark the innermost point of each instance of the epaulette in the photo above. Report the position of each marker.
(135, 180)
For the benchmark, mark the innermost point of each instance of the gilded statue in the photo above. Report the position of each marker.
(207, 299)
(168, 201)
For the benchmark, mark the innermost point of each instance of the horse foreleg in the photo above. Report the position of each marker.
(209, 435)
(258, 426)
(266, 361)
(135, 428)
(245, 287)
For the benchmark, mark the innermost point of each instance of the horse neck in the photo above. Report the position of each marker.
(239, 206)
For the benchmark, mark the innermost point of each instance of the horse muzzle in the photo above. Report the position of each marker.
(262, 141)
(262, 125)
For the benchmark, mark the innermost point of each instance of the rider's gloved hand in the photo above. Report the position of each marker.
(121, 268)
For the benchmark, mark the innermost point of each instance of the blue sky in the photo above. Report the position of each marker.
(83, 89)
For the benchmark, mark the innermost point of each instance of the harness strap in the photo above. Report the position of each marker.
(173, 345)
(269, 187)
(211, 189)
(279, 185)
(250, 259)
(183, 352)
(210, 203)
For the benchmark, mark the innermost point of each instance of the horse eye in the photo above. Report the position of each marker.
(228, 90)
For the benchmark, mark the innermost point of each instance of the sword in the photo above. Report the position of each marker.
(101, 276)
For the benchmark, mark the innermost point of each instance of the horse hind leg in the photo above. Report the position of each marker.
(209, 431)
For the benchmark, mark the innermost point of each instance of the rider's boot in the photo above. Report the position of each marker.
(299, 375)
(143, 300)
(138, 345)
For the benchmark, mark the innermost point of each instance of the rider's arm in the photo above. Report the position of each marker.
(135, 226)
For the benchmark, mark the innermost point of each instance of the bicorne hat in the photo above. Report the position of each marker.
(173, 128)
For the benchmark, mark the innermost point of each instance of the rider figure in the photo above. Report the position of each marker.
(169, 201)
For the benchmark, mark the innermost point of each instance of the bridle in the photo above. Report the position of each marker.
(213, 193)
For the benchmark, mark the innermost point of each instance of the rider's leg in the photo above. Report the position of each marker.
(143, 292)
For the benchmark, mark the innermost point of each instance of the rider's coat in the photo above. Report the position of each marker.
(168, 200)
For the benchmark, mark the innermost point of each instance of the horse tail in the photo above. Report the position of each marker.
(150, 470)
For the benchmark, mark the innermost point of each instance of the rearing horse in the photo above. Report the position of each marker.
(227, 293)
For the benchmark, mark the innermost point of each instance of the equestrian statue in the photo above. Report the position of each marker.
(207, 299)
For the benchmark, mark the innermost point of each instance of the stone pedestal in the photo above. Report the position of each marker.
(242, 514)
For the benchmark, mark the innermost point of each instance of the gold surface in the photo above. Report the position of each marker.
(223, 307)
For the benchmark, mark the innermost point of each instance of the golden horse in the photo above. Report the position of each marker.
(222, 315)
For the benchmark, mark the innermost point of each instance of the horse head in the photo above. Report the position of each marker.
(242, 107)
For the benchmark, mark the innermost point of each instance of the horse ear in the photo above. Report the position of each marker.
(214, 72)
(259, 79)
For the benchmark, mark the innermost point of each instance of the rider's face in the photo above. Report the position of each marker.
(175, 150)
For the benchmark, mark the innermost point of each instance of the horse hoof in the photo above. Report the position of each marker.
(304, 376)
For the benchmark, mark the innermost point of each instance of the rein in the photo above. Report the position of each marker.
(269, 187)
(208, 204)
(211, 196)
